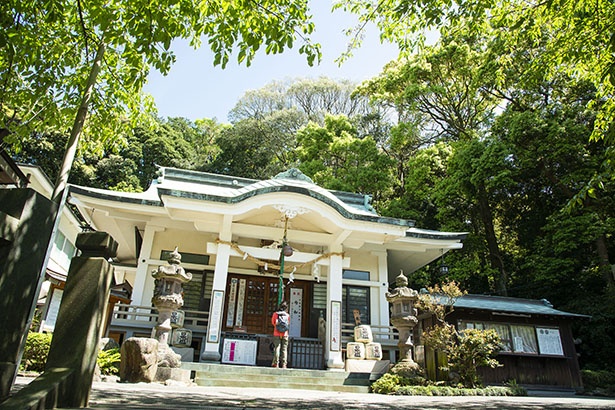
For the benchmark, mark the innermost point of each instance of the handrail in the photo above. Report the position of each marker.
(145, 316)
(383, 334)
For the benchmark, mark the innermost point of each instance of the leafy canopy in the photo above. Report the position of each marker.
(47, 50)
(574, 37)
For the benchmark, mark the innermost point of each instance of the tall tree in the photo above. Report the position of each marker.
(576, 37)
(442, 88)
(61, 60)
(335, 158)
(313, 97)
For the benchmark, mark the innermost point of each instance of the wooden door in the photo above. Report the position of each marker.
(259, 299)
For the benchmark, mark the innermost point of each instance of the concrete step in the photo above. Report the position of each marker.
(208, 374)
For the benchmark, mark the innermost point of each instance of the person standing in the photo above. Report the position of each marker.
(281, 323)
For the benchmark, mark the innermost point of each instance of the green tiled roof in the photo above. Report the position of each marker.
(511, 305)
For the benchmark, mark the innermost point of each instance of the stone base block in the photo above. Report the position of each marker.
(164, 374)
(187, 353)
(376, 368)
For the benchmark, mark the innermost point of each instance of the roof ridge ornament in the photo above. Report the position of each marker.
(293, 173)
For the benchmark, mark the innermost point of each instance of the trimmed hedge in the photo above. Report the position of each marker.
(37, 349)
(391, 383)
(455, 391)
(599, 382)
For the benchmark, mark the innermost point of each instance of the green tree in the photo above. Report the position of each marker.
(63, 60)
(574, 37)
(465, 350)
(335, 158)
(444, 92)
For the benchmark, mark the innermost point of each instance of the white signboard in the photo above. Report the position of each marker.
(52, 314)
(240, 302)
(549, 341)
(239, 351)
(296, 309)
(214, 317)
(230, 315)
(336, 325)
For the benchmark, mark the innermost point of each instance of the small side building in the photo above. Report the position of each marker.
(538, 344)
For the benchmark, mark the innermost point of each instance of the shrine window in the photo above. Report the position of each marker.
(353, 297)
(355, 274)
(194, 258)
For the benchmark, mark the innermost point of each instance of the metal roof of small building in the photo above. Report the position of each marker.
(511, 305)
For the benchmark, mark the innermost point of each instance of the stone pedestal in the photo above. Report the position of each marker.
(26, 223)
(375, 368)
(164, 374)
(186, 353)
(80, 318)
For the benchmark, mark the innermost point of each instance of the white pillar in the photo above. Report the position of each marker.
(333, 345)
(211, 352)
(384, 311)
(142, 273)
(383, 278)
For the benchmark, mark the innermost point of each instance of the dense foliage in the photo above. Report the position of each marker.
(35, 352)
(37, 349)
(485, 132)
(599, 382)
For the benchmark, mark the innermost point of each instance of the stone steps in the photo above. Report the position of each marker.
(211, 374)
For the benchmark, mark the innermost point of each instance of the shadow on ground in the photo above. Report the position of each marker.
(179, 397)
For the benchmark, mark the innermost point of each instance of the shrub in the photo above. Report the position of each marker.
(37, 349)
(456, 391)
(108, 361)
(387, 384)
(599, 382)
(35, 352)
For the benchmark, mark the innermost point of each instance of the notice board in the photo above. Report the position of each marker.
(239, 351)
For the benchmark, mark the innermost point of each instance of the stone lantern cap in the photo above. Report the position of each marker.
(402, 291)
(173, 271)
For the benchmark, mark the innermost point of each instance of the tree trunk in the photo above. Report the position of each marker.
(603, 263)
(82, 112)
(495, 257)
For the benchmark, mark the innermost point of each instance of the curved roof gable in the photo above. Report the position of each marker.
(230, 190)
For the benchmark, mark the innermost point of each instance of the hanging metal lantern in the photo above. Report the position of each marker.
(287, 250)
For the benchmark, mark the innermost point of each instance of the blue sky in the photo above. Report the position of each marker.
(195, 89)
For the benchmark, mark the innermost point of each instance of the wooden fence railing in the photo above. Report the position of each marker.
(136, 316)
(387, 336)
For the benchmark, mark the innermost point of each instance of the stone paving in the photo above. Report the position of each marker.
(112, 395)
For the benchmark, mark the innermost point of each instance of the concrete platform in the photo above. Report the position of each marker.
(157, 396)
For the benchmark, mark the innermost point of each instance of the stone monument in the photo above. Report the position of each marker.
(404, 318)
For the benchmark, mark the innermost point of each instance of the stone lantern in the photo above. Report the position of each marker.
(403, 317)
(168, 297)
